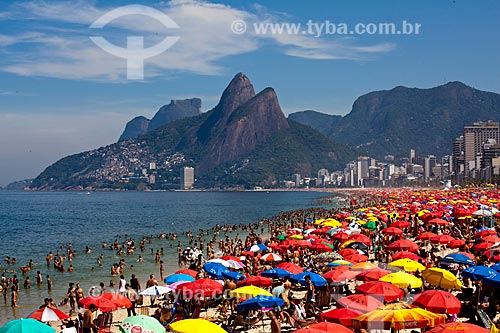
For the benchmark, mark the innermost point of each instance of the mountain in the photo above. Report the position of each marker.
(137, 126)
(397, 120)
(177, 109)
(325, 123)
(245, 141)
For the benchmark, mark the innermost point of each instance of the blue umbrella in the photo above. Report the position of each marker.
(178, 277)
(496, 267)
(478, 272)
(215, 269)
(493, 280)
(276, 273)
(458, 258)
(316, 279)
(259, 302)
(257, 247)
(233, 275)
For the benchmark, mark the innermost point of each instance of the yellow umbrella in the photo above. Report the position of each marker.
(196, 326)
(249, 292)
(402, 280)
(363, 266)
(332, 223)
(408, 265)
(441, 278)
(319, 221)
(296, 237)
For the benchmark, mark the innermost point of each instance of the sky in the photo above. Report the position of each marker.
(61, 93)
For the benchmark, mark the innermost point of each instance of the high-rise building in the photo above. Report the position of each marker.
(187, 178)
(296, 179)
(412, 156)
(474, 138)
(429, 164)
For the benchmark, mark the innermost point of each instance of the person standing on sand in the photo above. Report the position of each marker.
(79, 293)
(72, 296)
(151, 283)
(135, 284)
(132, 296)
(88, 320)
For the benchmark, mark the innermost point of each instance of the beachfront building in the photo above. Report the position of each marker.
(187, 178)
(474, 138)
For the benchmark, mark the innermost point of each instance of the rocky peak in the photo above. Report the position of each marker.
(177, 109)
(137, 126)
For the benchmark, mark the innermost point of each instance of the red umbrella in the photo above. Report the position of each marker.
(442, 239)
(456, 243)
(202, 287)
(340, 275)
(491, 239)
(340, 236)
(438, 221)
(387, 290)
(482, 246)
(359, 302)
(392, 231)
(426, 236)
(189, 272)
(321, 231)
(438, 301)
(321, 248)
(403, 244)
(341, 316)
(408, 255)
(103, 304)
(372, 275)
(231, 258)
(46, 314)
(291, 267)
(361, 238)
(258, 281)
(330, 327)
(458, 327)
(401, 224)
(355, 258)
(487, 232)
(120, 300)
(309, 330)
(347, 252)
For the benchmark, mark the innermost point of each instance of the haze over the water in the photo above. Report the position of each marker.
(61, 94)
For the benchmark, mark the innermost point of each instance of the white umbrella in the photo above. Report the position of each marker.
(156, 291)
(483, 212)
(271, 257)
(234, 264)
(220, 261)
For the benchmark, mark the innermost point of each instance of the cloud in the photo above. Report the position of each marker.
(56, 41)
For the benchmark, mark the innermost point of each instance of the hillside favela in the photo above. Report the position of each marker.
(217, 167)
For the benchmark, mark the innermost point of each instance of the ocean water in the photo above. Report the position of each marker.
(34, 223)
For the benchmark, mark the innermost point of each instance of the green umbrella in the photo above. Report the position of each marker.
(281, 237)
(26, 325)
(370, 225)
(330, 245)
(132, 324)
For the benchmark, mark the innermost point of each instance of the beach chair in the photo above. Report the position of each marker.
(247, 324)
(104, 321)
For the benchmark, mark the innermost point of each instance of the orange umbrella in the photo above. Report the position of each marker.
(190, 272)
(398, 316)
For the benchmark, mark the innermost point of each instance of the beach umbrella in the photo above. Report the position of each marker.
(339, 275)
(196, 326)
(478, 272)
(157, 290)
(233, 275)
(26, 325)
(401, 224)
(361, 238)
(486, 232)
(228, 257)
(456, 243)
(178, 277)
(392, 231)
(438, 301)
(189, 272)
(403, 245)
(407, 265)
(271, 257)
(257, 248)
(46, 314)
(330, 327)
(249, 292)
(119, 300)
(347, 252)
(370, 225)
(491, 239)
(309, 330)
(363, 266)
(341, 316)
(316, 279)
(426, 236)
(276, 273)
(496, 267)
(442, 239)
(383, 289)
(322, 247)
(103, 304)
(441, 278)
(141, 324)
(492, 280)
(402, 280)
(234, 264)
(340, 236)
(291, 267)
(215, 269)
(258, 281)
(329, 255)
(202, 287)
(355, 258)
(459, 327)
(407, 255)
(398, 316)
(359, 302)
(259, 302)
(438, 221)
(340, 263)
(482, 246)
(458, 258)
(357, 246)
(372, 274)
